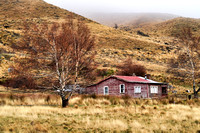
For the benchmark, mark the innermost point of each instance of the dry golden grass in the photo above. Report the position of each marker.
(100, 114)
(167, 118)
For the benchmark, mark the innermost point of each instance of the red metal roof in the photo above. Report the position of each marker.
(133, 79)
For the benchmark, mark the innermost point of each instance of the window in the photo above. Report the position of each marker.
(137, 89)
(154, 89)
(106, 90)
(122, 88)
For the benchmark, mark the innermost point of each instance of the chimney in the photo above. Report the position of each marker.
(145, 77)
(148, 76)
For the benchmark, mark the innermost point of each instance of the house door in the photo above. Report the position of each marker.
(144, 93)
(164, 91)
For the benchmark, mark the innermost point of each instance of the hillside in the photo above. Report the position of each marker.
(22, 9)
(129, 19)
(13, 12)
(164, 32)
(170, 27)
(113, 45)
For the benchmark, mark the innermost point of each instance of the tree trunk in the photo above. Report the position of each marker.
(194, 90)
(196, 93)
(65, 102)
(198, 90)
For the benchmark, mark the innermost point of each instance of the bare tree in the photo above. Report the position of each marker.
(63, 52)
(128, 68)
(116, 26)
(189, 54)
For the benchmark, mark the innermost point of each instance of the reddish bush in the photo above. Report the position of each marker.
(128, 68)
(22, 82)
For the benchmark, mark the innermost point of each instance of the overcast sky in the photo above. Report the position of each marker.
(186, 8)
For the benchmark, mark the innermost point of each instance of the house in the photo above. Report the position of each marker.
(134, 86)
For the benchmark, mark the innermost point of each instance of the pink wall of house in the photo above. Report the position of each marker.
(114, 89)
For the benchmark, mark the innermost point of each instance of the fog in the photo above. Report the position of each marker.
(185, 8)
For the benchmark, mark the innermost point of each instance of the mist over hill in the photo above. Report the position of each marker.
(168, 28)
(129, 19)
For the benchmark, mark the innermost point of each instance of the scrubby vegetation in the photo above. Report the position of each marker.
(129, 68)
(90, 113)
(114, 45)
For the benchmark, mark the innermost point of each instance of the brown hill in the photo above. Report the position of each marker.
(20, 9)
(113, 45)
(170, 27)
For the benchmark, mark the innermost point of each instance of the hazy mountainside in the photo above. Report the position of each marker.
(170, 27)
(129, 19)
(113, 45)
(165, 32)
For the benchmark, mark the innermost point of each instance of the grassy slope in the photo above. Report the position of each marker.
(113, 46)
(96, 115)
(38, 11)
(171, 27)
(167, 118)
(165, 33)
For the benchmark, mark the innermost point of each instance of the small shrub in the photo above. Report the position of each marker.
(11, 97)
(148, 102)
(105, 102)
(2, 102)
(94, 96)
(172, 100)
(76, 106)
(138, 101)
(166, 101)
(97, 106)
(48, 98)
(179, 102)
(197, 101)
(155, 102)
(22, 98)
(190, 102)
(126, 97)
(197, 122)
(143, 107)
(114, 100)
(162, 112)
(142, 34)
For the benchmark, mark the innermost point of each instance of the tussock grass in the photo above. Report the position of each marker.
(165, 118)
(92, 113)
(16, 99)
(42, 99)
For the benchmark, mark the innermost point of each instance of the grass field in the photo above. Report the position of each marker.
(42, 113)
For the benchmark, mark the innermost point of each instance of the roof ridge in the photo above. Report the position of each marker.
(131, 79)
